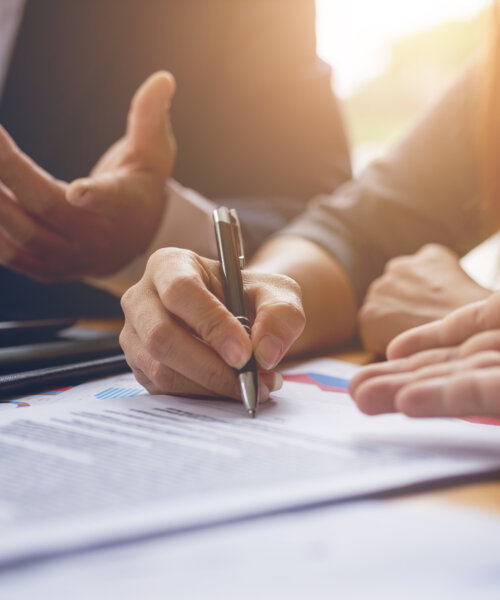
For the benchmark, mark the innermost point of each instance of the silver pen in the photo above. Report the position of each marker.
(232, 260)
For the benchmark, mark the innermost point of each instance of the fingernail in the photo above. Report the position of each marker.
(268, 352)
(263, 392)
(233, 354)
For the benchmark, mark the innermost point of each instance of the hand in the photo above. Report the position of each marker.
(447, 368)
(180, 339)
(50, 230)
(412, 291)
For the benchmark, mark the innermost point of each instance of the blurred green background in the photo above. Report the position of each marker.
(418, 68)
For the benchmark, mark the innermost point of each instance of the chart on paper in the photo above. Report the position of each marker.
(121, 467)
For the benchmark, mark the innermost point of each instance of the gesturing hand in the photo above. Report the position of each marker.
(179, 338)
(51, 231)
(412, 291)
(449, 367)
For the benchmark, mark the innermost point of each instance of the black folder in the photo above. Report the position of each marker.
(55, 358)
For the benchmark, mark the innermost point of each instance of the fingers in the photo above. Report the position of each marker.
(380, 388)
(486, 340)
(25, 263)
(185, 287)
(178, 331)
(134, 170)
(170, 345)
(450, 331)
(35, 190)
(174, 301)
(24, 232)
(27, 246)
(158, 378)
(472, 392)
(163, 376)
(180, 338)
(412, 363)
(279, 319)
(148, 125)
(112, 193)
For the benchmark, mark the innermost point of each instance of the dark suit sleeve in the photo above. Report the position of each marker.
(271, 132)
(425, 191)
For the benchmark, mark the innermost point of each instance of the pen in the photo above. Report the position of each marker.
(36, 380)
(232, 260)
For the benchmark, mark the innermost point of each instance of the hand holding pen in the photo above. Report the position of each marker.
(179, 337)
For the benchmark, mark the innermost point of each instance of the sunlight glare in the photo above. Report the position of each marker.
(353, 34)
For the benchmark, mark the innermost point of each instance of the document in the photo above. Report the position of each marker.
(110, 463)
(409, 550)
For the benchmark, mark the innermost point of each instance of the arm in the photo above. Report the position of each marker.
(426, 191)
(327, 294)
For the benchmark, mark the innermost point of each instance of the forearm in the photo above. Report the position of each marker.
(328, 298)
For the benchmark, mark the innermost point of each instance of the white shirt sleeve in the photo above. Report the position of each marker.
(186, 223)
(11, 13)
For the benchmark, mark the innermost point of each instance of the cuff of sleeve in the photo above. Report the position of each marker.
(334, 238)
(186, 223)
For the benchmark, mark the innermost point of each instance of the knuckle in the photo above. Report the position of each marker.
(369, 312)
(124, 338)
(127, 300)
(213, 325)
(158, 257)
(378, 286)
(288, 314)
(294, 314)
(433, 250)
(430, 248)
(142, 379)
(157, 341)
(162, 377)
(166, 255)
(177, 290)
(397, 263)
(290, 284)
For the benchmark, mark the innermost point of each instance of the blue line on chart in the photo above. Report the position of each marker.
(113, 392)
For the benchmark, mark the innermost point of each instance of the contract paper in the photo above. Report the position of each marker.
(410, 550)
(111, 463)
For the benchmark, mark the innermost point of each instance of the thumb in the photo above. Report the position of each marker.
(149, 128)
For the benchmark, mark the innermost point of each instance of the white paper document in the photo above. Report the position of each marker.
(111, 463)
(404, 550)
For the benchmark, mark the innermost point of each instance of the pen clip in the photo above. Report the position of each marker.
(235, 223)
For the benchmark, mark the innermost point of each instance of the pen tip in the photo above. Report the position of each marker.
(251, 412)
